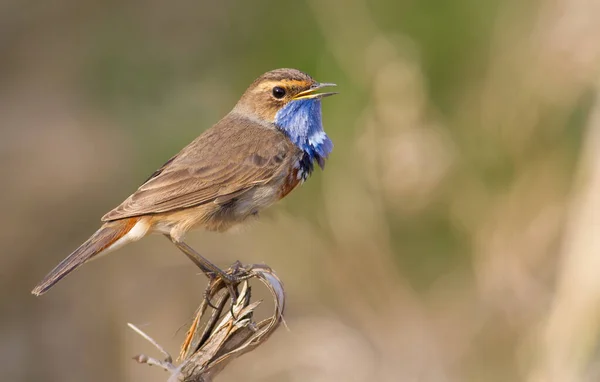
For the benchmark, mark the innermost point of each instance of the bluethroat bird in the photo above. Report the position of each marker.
(250, 159)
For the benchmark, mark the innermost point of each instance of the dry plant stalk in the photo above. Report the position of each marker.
(227, 333)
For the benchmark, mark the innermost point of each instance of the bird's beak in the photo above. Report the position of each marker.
(311, 92)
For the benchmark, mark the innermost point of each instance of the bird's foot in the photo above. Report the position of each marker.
(230, 278)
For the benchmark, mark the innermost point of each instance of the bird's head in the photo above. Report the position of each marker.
(291, 100)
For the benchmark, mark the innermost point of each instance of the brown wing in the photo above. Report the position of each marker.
(227, 160)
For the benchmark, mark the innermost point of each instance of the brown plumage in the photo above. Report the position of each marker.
(220, 170)
(240, 166)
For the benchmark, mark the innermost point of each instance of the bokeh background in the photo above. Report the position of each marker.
(452, 237)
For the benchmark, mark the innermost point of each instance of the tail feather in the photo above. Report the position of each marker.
(104, 240)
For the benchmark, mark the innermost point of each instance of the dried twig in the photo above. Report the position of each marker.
(227, 333)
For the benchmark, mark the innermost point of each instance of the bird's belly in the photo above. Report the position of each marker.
(215, 217)
(261, 197)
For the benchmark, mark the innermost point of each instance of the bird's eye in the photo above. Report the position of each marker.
(278, 92)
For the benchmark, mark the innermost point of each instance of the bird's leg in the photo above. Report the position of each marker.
(209, 269)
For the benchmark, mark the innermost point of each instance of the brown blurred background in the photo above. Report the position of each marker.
(452, 237)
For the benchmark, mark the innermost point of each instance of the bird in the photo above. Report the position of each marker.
(257, 154)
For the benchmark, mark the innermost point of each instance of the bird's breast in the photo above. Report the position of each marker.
(296, 175)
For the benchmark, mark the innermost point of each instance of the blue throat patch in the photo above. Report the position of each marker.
(301, 121)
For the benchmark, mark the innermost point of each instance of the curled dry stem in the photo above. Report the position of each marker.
(218, 335)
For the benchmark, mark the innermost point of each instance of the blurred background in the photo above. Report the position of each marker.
(452, 236)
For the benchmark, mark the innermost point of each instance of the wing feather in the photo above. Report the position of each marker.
(227, 160)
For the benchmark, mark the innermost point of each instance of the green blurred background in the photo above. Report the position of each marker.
(452, 236)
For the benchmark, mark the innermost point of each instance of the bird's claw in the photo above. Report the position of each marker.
(230, 278)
